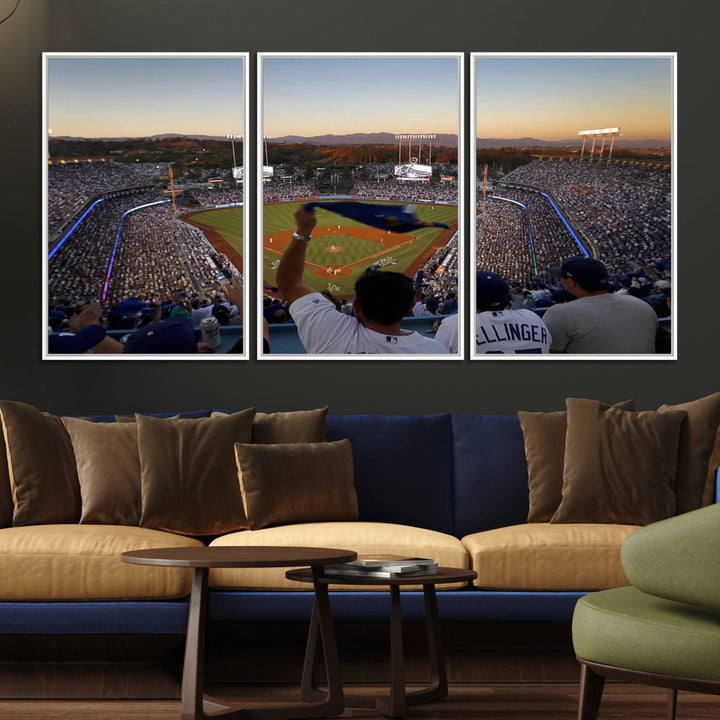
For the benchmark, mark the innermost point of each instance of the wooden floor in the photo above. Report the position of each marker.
(476, 701)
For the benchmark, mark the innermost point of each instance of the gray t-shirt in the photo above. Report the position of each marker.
(604, 324)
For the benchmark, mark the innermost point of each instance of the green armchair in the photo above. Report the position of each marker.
(664, 629)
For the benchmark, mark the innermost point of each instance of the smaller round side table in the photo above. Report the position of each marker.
(396, 703)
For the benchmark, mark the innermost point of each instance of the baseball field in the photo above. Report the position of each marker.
(224, 228)
(341, 249)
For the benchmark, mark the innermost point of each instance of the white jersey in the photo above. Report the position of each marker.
(420, 310)
(503, 332)
(324, 330)
(511, 332)
(199, 314)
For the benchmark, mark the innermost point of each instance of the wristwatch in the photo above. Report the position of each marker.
(297, 236)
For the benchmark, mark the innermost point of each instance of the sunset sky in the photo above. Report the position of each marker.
(137, 97)
(339, 95)
(551, 98)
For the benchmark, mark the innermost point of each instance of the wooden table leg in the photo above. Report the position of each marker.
(308, 686)
(438, 687)
(394, 706)
(195, 707)
(335, 703)
(193, 669)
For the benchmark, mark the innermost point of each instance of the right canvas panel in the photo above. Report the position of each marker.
(574, 200)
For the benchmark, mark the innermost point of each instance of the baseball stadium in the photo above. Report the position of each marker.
(339, 253)
(123, 236)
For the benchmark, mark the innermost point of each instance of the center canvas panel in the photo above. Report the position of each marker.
(359, 197)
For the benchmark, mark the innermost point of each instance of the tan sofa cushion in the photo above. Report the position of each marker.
(82, 562)
(365, 538)
(544, 556)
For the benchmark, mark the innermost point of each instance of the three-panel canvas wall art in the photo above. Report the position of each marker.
(372, 214)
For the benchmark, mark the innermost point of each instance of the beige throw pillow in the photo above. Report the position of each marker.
(108, 466)
(544, 436)
(620, 466)
(297, 483)
(188, 474)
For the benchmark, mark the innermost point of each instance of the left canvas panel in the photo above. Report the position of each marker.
(143, 205)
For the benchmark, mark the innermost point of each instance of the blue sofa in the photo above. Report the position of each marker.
(454, 474)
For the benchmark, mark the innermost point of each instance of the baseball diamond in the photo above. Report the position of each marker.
(339, 253)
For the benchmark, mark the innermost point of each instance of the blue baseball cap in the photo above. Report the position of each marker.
(491, 290)
(171, 336)
(589, 273)
(78, 342)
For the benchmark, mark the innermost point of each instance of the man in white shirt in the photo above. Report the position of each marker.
(381, 301)
(599, 321)
(498, 331)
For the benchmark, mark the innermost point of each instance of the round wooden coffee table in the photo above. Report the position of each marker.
(201, 559)
(395, 704)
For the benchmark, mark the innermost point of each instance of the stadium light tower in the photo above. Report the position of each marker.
(265, 140)
(233, 137)
(604, 133)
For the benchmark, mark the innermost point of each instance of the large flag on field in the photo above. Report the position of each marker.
(397, 218)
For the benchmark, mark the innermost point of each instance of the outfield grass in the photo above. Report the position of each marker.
(226, 221)
(278, 217)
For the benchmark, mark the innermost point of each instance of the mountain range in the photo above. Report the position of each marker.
(383, 138)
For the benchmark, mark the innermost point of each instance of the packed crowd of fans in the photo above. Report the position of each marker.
(440, 273)
(70, 186)
(623, 207)
(219, 196)
(288, 190)
(159, 261)
(508, 234)
(398, 190)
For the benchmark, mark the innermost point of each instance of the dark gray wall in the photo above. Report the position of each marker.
(372, 25)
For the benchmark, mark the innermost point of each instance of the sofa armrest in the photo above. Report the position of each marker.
(677, 558)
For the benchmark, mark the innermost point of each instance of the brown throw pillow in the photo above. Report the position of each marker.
(298, 426)
(41, 466)
(544, 435)
(108, 466)
(620, 466)
(131, 418)
(6, 501)
(297, 483)
(188, 474)
(710, 492)
(697, 438)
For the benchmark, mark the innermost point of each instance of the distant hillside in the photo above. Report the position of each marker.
(574, 142)
(383, 138)
(161, 136)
